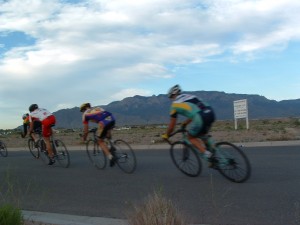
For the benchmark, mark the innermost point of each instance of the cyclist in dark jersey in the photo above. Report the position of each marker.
(26, 123)
(200, 117)
(37, 127)
(105, 121)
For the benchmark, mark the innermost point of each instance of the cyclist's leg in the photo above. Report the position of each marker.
(208, 117)
(195, 128)
(104, 128)
(37, 128)
(47, 132)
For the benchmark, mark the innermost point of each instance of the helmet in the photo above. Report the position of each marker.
(84, 106)
(24, 116)
(175, 90)
(33, 107)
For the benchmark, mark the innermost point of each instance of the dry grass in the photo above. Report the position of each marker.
(260, 130)
(156, 210)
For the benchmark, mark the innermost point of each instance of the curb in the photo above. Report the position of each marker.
(65, 219)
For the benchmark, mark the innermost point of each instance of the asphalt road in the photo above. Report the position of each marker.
(270, 196)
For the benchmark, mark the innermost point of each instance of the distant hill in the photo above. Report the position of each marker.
(140, 110)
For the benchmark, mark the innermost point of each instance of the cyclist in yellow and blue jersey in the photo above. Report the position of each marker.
(106, 123)
(199, 117)
(37, 127)
(26, 123)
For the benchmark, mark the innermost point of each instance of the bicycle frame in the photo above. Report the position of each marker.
(187, 141)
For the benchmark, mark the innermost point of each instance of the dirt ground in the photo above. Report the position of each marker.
(281, 129)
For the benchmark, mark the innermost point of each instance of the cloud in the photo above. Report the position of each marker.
(93, 48)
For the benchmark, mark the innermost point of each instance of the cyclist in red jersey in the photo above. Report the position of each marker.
(48, 120)
(106, 123)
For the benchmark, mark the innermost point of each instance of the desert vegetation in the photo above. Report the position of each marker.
(281, 129)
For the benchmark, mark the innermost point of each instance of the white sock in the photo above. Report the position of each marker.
(207, 154)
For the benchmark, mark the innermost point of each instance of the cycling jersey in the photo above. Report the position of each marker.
(100, 116)
(26, 120)
(39, 114)
(97, 115)
(190, 106)
(47, 119)
(186, 105)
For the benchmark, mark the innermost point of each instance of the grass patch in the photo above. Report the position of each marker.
(156, 210)
(10, 215)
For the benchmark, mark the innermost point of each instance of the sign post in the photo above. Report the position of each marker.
(240, 111)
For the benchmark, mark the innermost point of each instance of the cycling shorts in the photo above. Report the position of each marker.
(202, 122)
(47, 124)
(102, 131)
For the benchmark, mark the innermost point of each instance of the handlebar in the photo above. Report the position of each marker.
(180, 130)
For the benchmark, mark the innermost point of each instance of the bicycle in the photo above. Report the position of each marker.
(60, 151)
(33, 147)
(120, 149)
(3, 149)
(227, 158)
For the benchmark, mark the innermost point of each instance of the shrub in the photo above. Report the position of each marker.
(9, 215)
(156, 210)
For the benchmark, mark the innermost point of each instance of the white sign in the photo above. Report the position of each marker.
(240, 111)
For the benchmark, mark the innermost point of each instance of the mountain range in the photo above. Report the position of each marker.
(141, 110)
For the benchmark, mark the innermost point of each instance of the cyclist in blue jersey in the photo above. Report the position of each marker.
(106, 123)
(200, 117)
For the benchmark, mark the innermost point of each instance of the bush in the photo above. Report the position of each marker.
(9, 215)
(156, 211)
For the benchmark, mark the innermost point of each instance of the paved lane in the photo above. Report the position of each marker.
(271, 196)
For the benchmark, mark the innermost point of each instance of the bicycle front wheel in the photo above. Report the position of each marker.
(61, 153)
(186, 159)
(3, 149)
(43, 154)
(126, 159)
(232, 162)
(33, 150)
(95, 154)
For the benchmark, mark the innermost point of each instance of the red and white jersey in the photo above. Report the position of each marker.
(39, 114)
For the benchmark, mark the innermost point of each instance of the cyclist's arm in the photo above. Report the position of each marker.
(172, 125)
(30, 127)
(85, 131)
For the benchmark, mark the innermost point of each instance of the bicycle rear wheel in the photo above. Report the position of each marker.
(126, 159)
(33, 150)
(61, 153)
(232, 162)
(3, 149)
(186, 159)
(95, 154)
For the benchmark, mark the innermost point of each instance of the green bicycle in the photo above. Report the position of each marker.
(227, 158)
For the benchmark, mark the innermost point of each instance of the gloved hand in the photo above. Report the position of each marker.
(165, 136)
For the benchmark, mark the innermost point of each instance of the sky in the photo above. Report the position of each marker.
(61, 53)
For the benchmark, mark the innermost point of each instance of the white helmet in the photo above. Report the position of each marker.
(175, 90)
